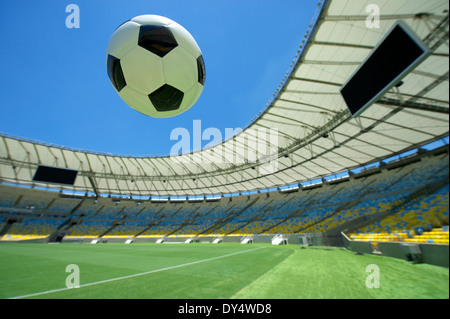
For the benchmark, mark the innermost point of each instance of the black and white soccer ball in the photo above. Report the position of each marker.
(156, 66)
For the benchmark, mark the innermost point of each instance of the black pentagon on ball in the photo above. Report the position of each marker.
(201, 70)
(157, 39)
(115, 73)
(166, 98)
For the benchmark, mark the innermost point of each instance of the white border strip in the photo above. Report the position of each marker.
(135, 275)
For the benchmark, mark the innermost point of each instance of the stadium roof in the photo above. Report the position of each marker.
(306, 130)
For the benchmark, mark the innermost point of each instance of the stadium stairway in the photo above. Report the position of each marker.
(148, 227)
(7, 226)
(222, 221)
(114, 225)
(343, 207)
(185, 223)
(295, 213)
(64, 229)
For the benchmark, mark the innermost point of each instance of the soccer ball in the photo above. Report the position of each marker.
(156, 66)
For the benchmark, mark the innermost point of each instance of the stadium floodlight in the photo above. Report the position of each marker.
(395, 56)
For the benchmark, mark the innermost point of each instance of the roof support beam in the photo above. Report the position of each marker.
(414, 105)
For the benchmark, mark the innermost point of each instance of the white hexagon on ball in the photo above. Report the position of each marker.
(156, 66)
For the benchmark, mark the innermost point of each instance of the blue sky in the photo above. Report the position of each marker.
(55, 88)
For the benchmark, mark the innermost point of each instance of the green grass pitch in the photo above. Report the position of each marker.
(207, 271)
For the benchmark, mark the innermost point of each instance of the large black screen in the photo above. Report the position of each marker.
(389, 62)
(55, 175)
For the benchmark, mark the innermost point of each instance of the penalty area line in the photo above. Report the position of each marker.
(136, 275)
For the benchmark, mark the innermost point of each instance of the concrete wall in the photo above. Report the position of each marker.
(313, 239)
(434, 254)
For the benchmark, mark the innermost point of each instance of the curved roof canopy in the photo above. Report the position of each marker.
(305, 132)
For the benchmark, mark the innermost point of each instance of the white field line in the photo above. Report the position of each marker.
(135, 275)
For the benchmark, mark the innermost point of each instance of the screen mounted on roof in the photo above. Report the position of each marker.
(395, 56)
(55, 175)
